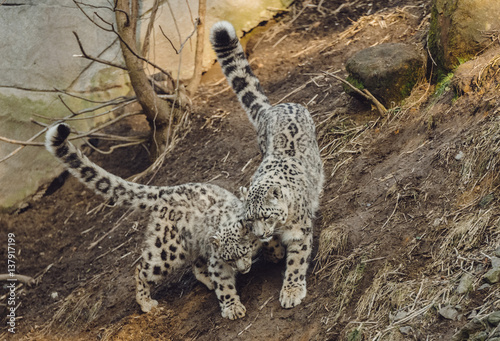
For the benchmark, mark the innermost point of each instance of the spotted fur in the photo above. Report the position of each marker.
(284, 191)
(200, 224)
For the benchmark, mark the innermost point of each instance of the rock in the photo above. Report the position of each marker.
(399, 316)
(486, 200)
(470, 328)
(477, 74)
(407, 330)
(448, 312)
(472, 315)
(493, 275)
(460, 29)
(388, 71)
(465, 284)
(481, 336)
(494, 318)
(54, 295)
(497, 252)
(495, 262)
(484, 286)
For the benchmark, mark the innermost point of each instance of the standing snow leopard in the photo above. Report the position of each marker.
(284, 191)
(192, 223)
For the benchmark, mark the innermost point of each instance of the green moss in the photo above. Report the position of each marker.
(412, 75)
(355, 335)
(443, 84)
(355, 82)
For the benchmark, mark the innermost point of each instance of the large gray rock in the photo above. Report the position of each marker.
(388, 71)
(460, 29)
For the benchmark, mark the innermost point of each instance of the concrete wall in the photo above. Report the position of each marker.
(39, 53)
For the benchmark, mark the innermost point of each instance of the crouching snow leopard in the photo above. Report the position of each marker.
(196, 223)
(284, 191)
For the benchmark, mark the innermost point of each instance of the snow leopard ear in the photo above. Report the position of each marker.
(274, 194)
(215, 241)
(243, 193)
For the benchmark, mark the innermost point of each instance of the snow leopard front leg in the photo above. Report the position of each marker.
(224, 279)
(200, 270)
(298, 252)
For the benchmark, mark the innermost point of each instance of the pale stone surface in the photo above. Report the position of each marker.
(37, 53)
(38, 49)
(243, 14)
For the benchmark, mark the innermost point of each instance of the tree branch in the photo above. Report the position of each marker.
(200, 40)
(365, 94)
(95, 59)
(149, 29)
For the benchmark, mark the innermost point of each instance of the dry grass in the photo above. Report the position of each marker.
(332, 241)
(482, 157)
(344, 274)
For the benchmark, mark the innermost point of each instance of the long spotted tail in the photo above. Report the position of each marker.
(235, 66)
(110, 186)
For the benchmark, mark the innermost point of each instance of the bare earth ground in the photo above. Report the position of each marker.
(402, 218)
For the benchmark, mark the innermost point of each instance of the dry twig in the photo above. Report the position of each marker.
(365, 94)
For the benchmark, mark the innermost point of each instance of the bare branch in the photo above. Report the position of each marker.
(168, 39)
(112, 148)
(17, 150)
(22, 143)
(95, 59)
(149, 29)
(67, 106)
(365, 94)
(200, 39)
(88, 17)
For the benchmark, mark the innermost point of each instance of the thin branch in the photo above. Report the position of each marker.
(196, 23)
(22, 143)
(142, 58)
(80, 97)
(67, 106)
(365, 94)
(112, 29)
(112, 148)
(90, 64)
(17, 150)
(90, 19)
(168, 39)
(200, 39)
(149, 29)
(102, 126)
(95, 59)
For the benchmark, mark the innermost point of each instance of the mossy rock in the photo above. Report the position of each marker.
(459, 30)
(388, 71)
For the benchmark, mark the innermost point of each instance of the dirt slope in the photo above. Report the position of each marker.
(402, 218)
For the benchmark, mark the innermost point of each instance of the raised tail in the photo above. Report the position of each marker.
(237, 70)
(110, 186)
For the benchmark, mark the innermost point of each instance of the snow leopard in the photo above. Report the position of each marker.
(284, 192)
(196, 223)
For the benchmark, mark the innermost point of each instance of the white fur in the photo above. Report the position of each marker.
(223, 26)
